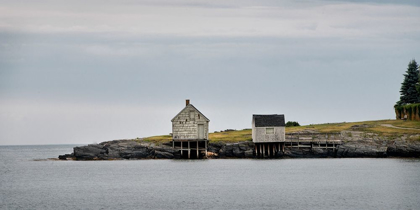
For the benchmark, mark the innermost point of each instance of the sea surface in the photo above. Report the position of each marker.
(29, 181)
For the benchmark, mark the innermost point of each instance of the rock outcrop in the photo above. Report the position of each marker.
(355, 144)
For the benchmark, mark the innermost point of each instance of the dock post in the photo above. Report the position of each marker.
(198, 154)
(274, 149)
(206, 142)
(189, 150)
(181, 148)
(173, 144)
(255, 149)
(298, 140)
(263, 155)
(260, 146)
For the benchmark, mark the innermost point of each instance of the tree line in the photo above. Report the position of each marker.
(410, 87)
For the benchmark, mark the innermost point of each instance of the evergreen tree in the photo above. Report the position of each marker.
(418, 84)
(409, 93)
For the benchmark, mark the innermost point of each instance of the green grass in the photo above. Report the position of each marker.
(231, 136)
(158, 139)
(373, 126)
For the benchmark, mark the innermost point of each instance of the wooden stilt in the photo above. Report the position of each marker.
(269, 150)
(181, 148)
(259, 145)
(205, 142)
(198, 154)
(273, 149)
(256, 151)
(189, 150)
(298, 141)
(264, 150)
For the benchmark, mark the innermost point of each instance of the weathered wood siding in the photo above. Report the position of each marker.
(259, 134)
(185, 125)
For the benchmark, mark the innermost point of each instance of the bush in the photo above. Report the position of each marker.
(292, 123)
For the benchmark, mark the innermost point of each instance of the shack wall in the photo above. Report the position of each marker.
(186, 127)
(259, 134)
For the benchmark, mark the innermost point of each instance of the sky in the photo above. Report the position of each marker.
(81, 72)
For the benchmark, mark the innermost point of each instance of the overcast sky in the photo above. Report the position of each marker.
(88, 71)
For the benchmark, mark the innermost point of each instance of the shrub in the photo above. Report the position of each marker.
(292, 123)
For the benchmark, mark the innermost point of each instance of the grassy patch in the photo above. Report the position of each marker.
(231, 136)
(158, 139)
(404, 124)
(370, 126)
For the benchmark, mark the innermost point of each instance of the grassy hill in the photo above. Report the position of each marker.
(382, 127)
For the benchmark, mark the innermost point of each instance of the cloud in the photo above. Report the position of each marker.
(79, 72)
(146, 18)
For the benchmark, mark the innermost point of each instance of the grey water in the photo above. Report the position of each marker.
(29, 181)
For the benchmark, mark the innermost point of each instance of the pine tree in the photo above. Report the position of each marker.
(418, 84)
(409, 93)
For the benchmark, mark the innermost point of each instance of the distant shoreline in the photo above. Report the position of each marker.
(356, 144)
(34, 145)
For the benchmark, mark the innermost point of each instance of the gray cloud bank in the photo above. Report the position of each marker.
(78, 72)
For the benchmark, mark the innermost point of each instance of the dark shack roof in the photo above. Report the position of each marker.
(268, 120)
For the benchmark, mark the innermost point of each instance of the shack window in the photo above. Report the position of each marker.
(269, 131)
(192, 115)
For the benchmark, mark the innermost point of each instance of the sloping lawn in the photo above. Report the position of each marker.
(413, 127)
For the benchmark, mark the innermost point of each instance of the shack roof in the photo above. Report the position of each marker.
(268, 120)
(190, 105)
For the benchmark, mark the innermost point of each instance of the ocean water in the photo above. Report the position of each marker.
(29, 181)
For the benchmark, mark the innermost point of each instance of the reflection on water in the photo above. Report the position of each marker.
(204, 184)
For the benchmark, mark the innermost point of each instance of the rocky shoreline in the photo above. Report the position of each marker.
(354, 144)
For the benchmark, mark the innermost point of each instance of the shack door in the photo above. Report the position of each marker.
(200, 131)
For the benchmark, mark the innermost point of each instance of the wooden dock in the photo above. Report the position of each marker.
(298, 140)
(314, 140)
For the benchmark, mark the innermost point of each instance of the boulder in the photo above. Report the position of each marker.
(66, 157)
(237, 152)
(139, 153)
(165, 152)
(89, 152)
(126, 154)
(243, 146)
(113, 153)
(249, 153)
(228, 150)
(215, 147)
(163, 155)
